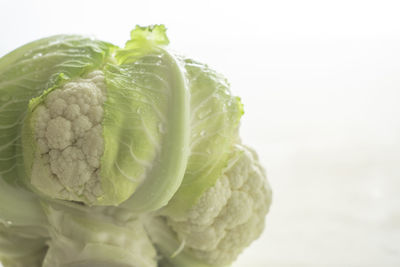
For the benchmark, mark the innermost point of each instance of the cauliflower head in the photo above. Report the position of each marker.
(125, 157)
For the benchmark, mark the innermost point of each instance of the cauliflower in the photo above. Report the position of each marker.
(69, 137)
(226, 218)
(122, 157)
(229, 215)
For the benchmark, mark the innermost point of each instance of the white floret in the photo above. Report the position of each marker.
(230, 215)
(58, 133)
(69, 137)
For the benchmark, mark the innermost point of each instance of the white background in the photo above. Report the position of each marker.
(320, 81)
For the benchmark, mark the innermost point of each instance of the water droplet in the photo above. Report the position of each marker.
(202, 133)
(38, 55)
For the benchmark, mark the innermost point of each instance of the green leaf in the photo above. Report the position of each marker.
(23, 227)
(144, 40)
(20, 250)
(214, 123)
(83, 236)
(160, 122)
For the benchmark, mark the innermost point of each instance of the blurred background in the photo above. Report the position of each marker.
(320, 83)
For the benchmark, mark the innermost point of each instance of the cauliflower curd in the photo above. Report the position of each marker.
(70, 143)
